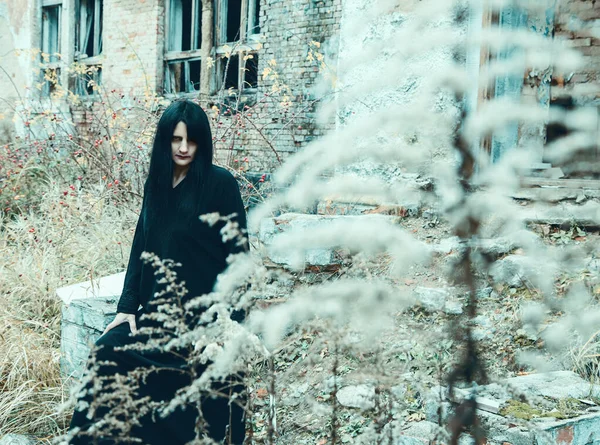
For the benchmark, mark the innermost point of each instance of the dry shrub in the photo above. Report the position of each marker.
(86, 236)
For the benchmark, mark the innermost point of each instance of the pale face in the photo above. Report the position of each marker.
(183, 150)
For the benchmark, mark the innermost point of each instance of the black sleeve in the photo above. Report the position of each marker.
(130, 297)
(231, 202)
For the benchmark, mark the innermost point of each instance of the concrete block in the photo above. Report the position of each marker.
(87, 309)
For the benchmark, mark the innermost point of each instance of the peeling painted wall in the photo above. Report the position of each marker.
(18, 31)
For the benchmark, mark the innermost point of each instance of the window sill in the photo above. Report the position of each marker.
(180, 55)
(95, 60)
(236, 47)
(191, 95)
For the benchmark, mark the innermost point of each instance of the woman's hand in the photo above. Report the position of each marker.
(120, 319)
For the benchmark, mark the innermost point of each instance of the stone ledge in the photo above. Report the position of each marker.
(87, 309)
(583, 428)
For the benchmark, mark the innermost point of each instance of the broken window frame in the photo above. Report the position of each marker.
(170, 79)
(50, 39)
(246, 44)
(84, 31)
(174, 54)
(85, 84)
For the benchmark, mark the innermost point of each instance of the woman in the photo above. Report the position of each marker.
(182, 184)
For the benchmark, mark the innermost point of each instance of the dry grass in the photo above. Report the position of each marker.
(58, 245)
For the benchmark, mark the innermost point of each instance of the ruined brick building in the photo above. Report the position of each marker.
(156, 47)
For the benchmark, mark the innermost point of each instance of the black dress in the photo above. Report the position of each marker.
(202, 253)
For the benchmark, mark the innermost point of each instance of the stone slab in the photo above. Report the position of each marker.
(102, 287)
(586, 215)
(583, 429)
(556, 384)
(87, 309)
(82, 323)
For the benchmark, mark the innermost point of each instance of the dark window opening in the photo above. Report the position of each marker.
(182, 76)
(185, 25)
(50, 80)
(50, 32)
(194, 76)
(234, 16)
(198, 29)
(251, 72)
(254, 17)
(175, 77)
(557, 130)
(256, 29)
(89, 29)
(87, 84)
(231, 77)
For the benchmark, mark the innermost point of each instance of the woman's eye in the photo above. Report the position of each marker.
(176, 139)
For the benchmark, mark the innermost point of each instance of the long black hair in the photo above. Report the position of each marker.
(159, 184)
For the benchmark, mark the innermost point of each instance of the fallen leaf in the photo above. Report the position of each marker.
(262, 393)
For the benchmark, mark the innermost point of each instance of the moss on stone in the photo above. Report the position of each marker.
(565, 408)
(519, 410)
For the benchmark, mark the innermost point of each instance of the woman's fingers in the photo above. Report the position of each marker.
(120, 318)
(109, 327)
(132, 325)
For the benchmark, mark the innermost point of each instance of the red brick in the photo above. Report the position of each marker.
(565, 436)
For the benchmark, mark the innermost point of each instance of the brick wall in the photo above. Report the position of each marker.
(579, 22)
(289, 27)
(133, 45)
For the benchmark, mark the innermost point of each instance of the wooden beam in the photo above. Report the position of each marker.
(206, 69)
(183, 55)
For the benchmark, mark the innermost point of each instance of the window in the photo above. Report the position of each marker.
(51, 22)
(237, 44)
(88, 41)
(185, 25)
(236, 31)
(238, 20)
(182, 74)
(88, 46)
